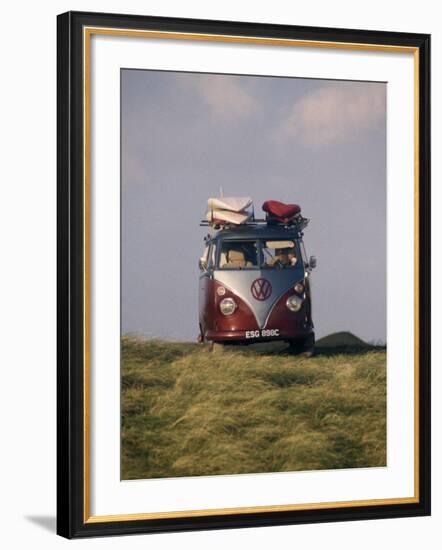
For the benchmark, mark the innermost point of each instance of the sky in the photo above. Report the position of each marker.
(317, 143)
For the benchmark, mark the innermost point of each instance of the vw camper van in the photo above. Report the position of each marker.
(254, 281)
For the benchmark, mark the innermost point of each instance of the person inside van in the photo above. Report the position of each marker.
(280, 259)
(284, 257)
(292, 257)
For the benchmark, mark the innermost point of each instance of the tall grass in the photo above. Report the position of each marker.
(188, 412)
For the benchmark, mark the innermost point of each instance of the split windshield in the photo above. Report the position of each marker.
(259, 254)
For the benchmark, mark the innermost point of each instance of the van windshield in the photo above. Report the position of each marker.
(259, 254)
(279, 254)
(238, 255)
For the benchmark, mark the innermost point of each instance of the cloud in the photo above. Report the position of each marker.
(227, 99)
(333, 114)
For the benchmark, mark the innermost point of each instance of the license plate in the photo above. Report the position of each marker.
(263, 333)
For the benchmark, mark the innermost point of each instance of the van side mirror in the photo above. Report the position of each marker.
(312, 262)
(202, 264)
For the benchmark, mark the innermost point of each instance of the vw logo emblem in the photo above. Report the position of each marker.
(261, 289)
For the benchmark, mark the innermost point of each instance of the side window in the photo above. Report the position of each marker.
(205, 255)
(303, 252)
(202, 262)
(212, 255)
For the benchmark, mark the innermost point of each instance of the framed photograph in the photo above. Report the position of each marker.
(243, 274)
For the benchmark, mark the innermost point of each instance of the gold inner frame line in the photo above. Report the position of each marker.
(87, 33)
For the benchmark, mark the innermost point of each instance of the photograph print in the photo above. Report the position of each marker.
(253, 274)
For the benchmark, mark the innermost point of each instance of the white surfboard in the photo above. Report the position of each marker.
(227, 216)
(233, 204)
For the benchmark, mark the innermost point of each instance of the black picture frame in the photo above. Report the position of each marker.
(72, 520)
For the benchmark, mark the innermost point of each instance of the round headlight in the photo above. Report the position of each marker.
(227, 306)
(299, 288)
(294, 303)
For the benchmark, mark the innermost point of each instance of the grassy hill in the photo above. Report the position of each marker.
(189, 412)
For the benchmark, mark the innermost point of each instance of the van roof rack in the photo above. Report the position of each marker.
(298, 224)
